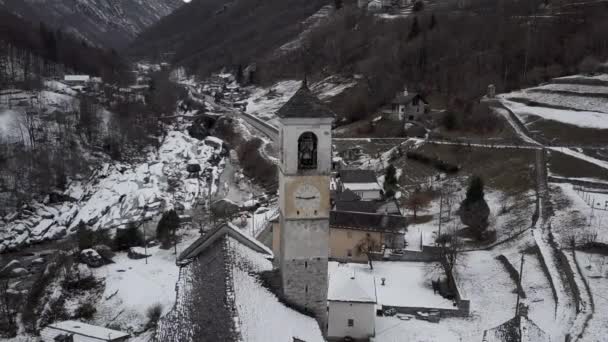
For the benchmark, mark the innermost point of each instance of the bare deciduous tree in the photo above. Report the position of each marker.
(417, 201)
(368, 246)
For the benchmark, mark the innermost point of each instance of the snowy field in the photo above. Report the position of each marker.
(595, 270)
(132, 286)
(580, 102)
(585, 119)
(572, 88)
(577, 213)
(332, 86)
(265, 102)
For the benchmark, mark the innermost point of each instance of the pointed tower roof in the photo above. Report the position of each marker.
(303, 104)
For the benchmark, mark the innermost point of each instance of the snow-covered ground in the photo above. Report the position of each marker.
(577, 100)
(585, 119)
(133, 286)
(265, 102)
(577, 218)
(595, 269)
(332, 86)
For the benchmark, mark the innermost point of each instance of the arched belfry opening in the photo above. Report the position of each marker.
(307, 151)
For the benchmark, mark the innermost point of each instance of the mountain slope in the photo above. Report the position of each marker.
(206, 35)
(107, 23)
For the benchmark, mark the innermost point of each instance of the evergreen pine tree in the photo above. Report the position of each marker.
(415, 30)
(433, 22)
(390, 181)
(475, 189)
(167, 227)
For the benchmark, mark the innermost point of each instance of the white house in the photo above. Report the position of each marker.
(81, 332)
(77, 79)
(408, 106)
(374, 6)
(351, 301)
(362, 182)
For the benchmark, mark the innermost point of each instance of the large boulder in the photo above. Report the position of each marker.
(192, 168)
(224, 208)
(91, 258)
(198, 131)
(18, 272)
(55, 232)
(137, 253)
(13, 264)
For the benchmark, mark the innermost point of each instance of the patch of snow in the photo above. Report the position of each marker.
(585, 119)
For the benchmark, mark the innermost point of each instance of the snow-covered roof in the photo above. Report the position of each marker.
(220, 297)
(303, 104)
(76, 78)
(518, 328)
(88, 330)
(346, 285)
(224, 229)
(363, 186)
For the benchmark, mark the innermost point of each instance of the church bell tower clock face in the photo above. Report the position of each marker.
(307, 200)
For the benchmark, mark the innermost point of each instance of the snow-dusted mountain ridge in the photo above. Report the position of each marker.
(108, 23)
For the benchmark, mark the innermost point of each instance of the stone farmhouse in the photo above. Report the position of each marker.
(408, 106)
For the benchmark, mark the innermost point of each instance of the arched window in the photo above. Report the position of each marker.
(307, 151)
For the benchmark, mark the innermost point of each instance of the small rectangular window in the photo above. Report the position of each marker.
(349, 253)
(351, 322)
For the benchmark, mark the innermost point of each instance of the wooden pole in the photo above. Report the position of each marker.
(440, 212)
(521, 270)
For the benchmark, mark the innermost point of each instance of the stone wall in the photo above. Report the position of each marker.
(305, 286)
(427, 254)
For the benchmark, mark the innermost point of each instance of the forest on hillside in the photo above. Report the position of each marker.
(451, 55)
(205, 36)
(29, 51)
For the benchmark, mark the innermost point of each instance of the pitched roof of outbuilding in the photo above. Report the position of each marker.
(303, 104)
(405, 99)
(347, 196)
(358, 176)
(367, 221)
(88, 330)
(519, 328)
(346, 285)
(224, 229)
(357, 206)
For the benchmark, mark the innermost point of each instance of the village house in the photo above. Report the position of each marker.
(76, 79)
(348, 230)
(80, 332)
(362, 182)
(408, 106)
(347, 200)
(351, 305)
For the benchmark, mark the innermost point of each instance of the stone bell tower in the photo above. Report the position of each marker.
(304, 173)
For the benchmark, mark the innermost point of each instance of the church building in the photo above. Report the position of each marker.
(304, 201)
